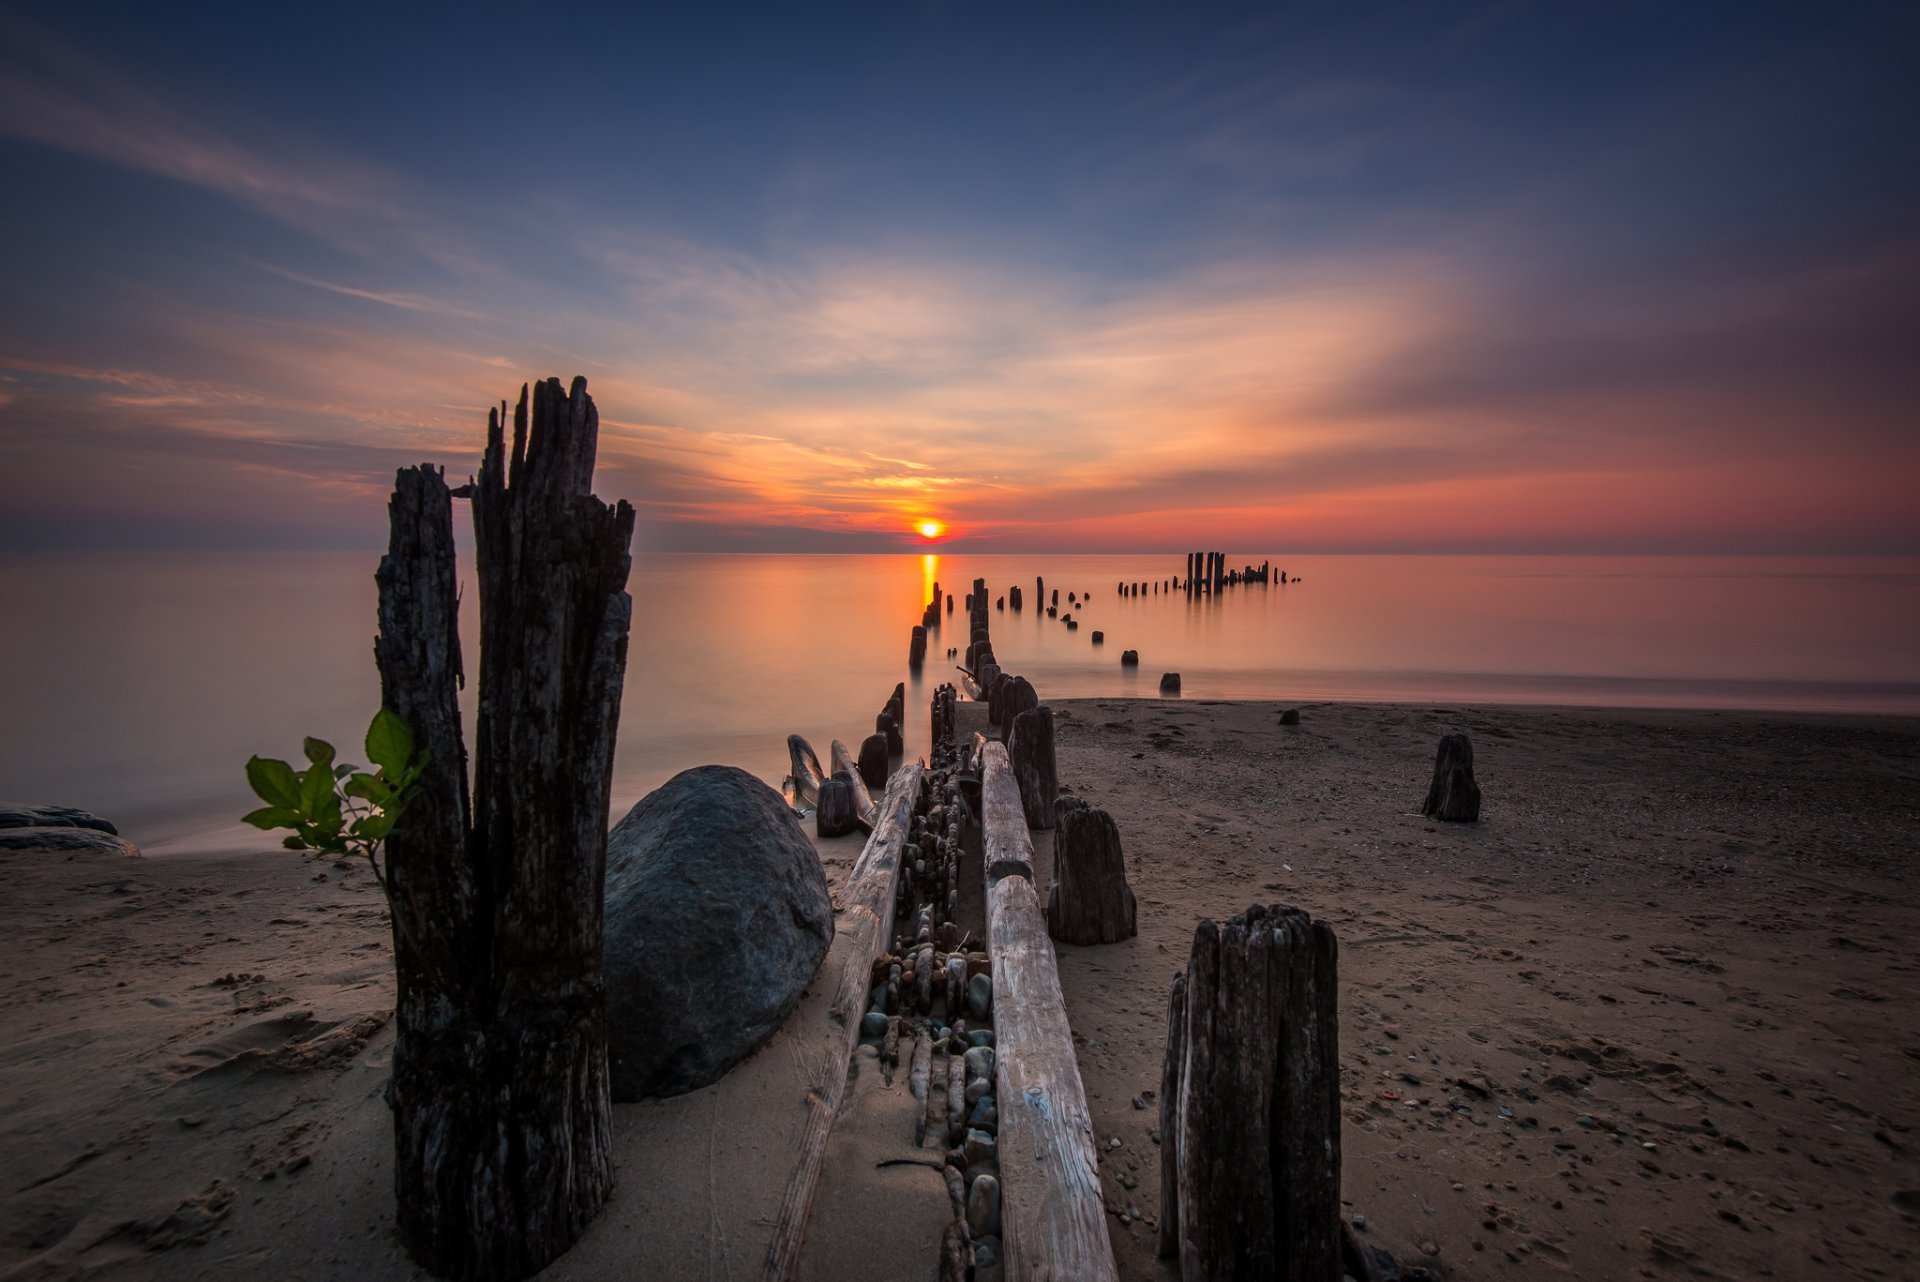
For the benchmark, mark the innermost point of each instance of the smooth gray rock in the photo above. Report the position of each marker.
(16, 816)
(66, 841)
(985, 1116)
(873, 1024)
(978, 1149)
(717, 917)
(980, 996)
(983, 1207)
(979, 1063)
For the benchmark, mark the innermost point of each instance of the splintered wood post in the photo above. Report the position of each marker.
(1054, 1217)
(501, 1111)
(1256, 1178)
(1171, 1067)
(1453, 795)
(1090, 901)
(1030, 749)
(864, 924)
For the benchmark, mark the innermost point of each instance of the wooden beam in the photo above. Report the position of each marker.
(1053, 1215)
(865, 921)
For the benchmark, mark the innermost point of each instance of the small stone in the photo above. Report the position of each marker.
(983, 1207)
(980, 996)
(1359, 1221)
(986, 1252)
(978, 1089)
(979, 1063)
(874, 1024)
(985, 1115)
(981, 1037)
(1138, 1102)
(979, 1149)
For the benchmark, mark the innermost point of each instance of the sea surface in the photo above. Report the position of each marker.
(137, 685)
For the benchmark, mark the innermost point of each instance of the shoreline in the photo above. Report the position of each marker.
(1656, 909)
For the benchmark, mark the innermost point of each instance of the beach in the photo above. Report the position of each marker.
(1650, 1016)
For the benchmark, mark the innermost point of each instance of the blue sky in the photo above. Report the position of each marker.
(1492, 277)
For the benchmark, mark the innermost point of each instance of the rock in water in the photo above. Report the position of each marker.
(717, 917)
(836, 815)
(1453, 795)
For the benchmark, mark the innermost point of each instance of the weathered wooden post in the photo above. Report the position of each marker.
(1251, 1102)
(917, 647)
(1090, 902)
(499, 1088)
(1453, 795)
(1030, 750)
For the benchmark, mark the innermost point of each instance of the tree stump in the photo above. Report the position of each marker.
(1453, 795)
(1253, 1077)
(499, 1088)
(836, 815)
(1030, 749)
(1090, 902)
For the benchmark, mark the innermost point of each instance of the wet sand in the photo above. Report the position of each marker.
(1654, 1015)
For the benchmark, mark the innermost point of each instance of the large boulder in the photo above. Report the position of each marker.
(64, 840)
(18, 816)
(717, 917)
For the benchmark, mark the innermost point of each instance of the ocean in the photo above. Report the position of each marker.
(136, 685)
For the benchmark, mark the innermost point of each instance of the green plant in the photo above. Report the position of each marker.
(341, 809)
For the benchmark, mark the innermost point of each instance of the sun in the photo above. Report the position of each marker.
(930, 529)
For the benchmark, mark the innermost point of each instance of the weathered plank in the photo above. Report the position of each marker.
(866, 914)
(1054, 1220)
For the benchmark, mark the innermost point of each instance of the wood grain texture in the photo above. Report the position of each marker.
(1053, 1214)
(502, 1116)
(865, 921)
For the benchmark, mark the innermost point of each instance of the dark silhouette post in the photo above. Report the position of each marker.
(501, 1111)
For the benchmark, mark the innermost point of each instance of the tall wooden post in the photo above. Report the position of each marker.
(1252, 1080)
(501, 1110)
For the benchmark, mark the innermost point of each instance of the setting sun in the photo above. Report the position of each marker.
(930, 529)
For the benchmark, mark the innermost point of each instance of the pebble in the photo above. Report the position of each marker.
(985, 1115)
(980, 1063)
(874, 1024)
(981, 1037)
(980, 1148)
(986, 1252)
(983, 1207)
(1359, 1221)
(980, 996)
(978, 1089)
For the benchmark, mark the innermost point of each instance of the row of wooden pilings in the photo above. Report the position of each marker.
(1250, 1117)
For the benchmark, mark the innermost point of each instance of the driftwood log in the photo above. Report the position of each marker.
(804, 775)
(499, 1090)
(844, 762)
(1052, 1211)
(1090, 901)
(868, 909)
(1453, 795)
(1253, 1070)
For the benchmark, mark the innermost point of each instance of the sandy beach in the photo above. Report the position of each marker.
(1651, 1016)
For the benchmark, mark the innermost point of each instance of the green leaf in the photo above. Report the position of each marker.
(389, 741)
(368, 788)
(319, 751)
(375, 827)
(273, 781)
(344, 769)
(316, 787)
(272, 817)
(294, 843)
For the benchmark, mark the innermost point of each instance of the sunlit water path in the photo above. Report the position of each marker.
(136, 685)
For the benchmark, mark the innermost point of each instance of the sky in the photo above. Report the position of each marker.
(1336, 277)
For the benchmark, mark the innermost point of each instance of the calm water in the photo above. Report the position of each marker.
(137, 685)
